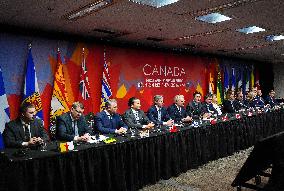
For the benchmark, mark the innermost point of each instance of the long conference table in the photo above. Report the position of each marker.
(131, 163)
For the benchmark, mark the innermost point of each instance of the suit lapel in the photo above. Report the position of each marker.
(20, 128)
(69, 123)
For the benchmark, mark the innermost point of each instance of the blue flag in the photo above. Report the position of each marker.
(4, 111)
(31, 90)
(233, 79)
(106, 89)
(226, 81)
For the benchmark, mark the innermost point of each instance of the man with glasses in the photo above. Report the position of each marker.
(72, 126)
(26, 130)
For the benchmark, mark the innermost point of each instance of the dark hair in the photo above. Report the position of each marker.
(195, 93)
(208, 96)
(131, 101)
(25, 105)
(77, 104)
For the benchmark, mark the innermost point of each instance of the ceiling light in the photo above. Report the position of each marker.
(249, 30)
(155, 3)
(88, 9)
(213, 18)
(274, 37)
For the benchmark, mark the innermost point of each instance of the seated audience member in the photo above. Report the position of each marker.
(108, 121)
(258, 101)
(207, 108)
(229, 102)
(215, 104)
(194, 108)
(239, 103)
(177, 111)
(271, 99)
(72, 126)
(136, 118)
(26, 130)
(158, 114)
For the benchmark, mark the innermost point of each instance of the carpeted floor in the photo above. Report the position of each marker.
(214, 176)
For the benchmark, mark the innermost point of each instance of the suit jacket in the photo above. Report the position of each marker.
(153, 115)
(229, 106)
(258, 102)
(14, 133)
(208, 108)
(271, 101)
(131, 122)
(239, 104)
(65, 131)
(194, 109)
(175, 114)
(107, 125)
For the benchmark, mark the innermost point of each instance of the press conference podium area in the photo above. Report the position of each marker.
(267, 153)
(131, 163)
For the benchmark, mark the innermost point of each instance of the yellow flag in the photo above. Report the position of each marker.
(59, 100)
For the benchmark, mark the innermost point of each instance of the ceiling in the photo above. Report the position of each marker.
(124, 21)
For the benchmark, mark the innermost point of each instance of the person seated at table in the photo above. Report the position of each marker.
(239, 103)
(72, 126)
(158, 114)
(271, 99)
(108, 121)
(207, 108)
(194, 108)
(258, 101)
(215, 104)
(135, 118)
(26, 130)
(229, 103)
(177, 111)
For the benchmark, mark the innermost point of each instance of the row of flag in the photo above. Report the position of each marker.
(59, 101)
(221, 78)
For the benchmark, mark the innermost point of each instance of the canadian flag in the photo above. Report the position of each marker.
(225, 118)
(213, 121)
(238, 116)
(249, 114)
(173, 129)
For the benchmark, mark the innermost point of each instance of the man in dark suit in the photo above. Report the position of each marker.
(177, 111)
(230, 103)
(72, 125)
(239, 103)
(258, 101)
(158, 114)
(194, 108)
(271, 99)
(26, 130)
(207, 108)
(108, 121)
(136, 118)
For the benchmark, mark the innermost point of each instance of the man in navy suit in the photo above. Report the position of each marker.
(258, 101)
(108, 121)
(26, 130)
(194, 108)
(158, 114)
(136, 118)
(207, 107)
(271, 99)
(229, 104)
(177, 111)
(72, 126)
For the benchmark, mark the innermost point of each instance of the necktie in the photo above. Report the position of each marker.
(75, 128)
(159, 115)
(27, 132)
